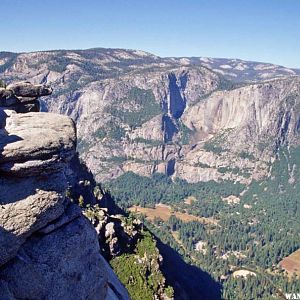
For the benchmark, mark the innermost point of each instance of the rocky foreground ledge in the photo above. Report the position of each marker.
(48, 249)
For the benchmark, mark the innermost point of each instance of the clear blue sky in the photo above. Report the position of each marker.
(262, 30)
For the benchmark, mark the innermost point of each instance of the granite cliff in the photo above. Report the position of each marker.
(48, 249)
(198, 119)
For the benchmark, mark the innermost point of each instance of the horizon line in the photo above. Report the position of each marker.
(148, 52)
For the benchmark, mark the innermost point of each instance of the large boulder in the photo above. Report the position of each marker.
(22, 97)
(26, 89)
(27, 205)
(65, 264)
(36, 143)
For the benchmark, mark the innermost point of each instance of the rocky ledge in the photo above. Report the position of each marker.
(48, 249)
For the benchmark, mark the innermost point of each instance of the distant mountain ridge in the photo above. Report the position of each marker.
(233, 68)
(198, 119)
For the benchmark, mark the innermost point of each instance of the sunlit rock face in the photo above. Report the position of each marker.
(48, 249)
(138, 112)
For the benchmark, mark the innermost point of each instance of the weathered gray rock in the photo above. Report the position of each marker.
(26, 89)
(26, 205)
(110, 230)
(23, 96)
(33, 167)
(114, 234)
(36, 142)
(71, 212)
(64, 264)
(48, 249)
(7, 97)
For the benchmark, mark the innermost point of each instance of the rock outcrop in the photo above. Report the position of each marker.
(116, 235)
(36, 143)
(125, 241)
(23, 96)
(48, 249)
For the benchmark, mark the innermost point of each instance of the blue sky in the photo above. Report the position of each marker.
(262, 30)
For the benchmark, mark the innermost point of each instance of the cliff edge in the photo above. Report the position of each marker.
(48, 249)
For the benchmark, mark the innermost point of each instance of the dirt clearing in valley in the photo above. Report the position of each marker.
(291, 263)
(165, 211)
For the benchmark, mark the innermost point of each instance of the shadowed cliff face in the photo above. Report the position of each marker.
(189, 282)
(169, 128)
(171, 167)
(177, 103)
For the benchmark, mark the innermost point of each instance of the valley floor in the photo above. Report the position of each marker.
(164, 212)
(291, 264)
